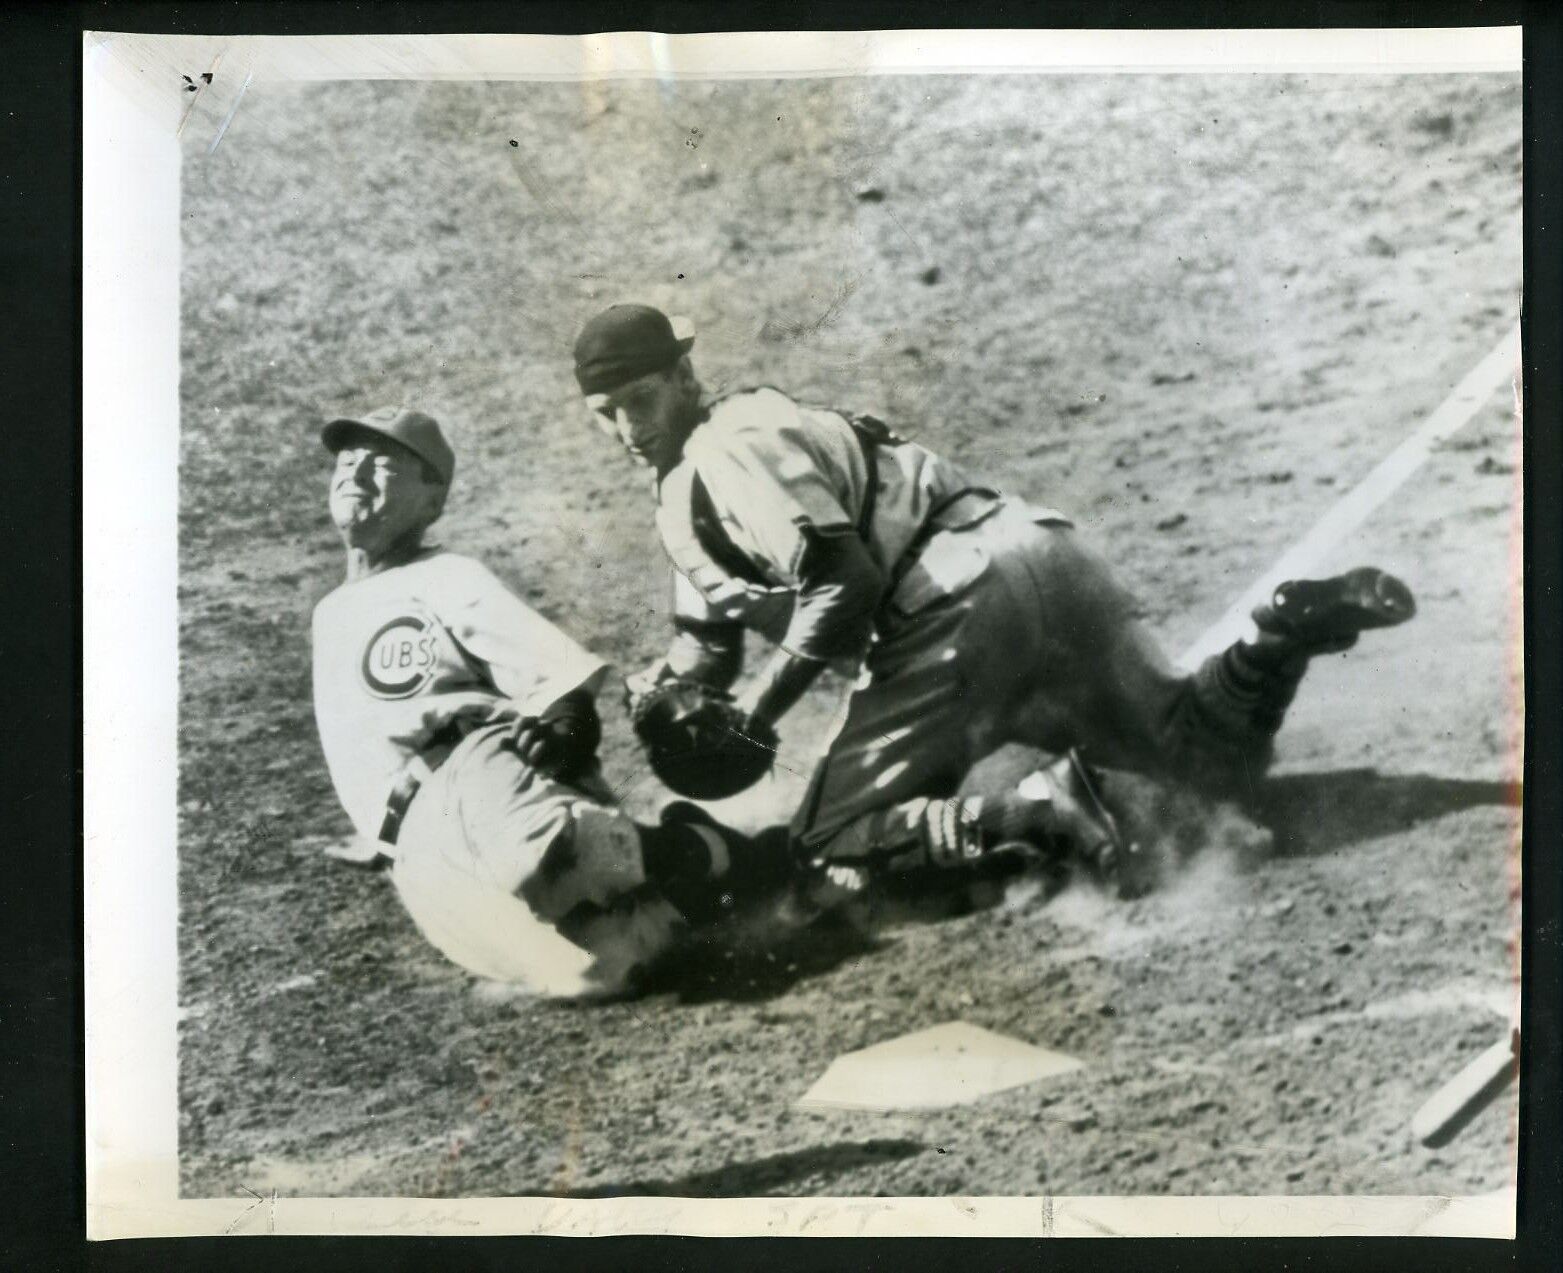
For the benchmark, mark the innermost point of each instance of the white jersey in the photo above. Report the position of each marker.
(403, 653)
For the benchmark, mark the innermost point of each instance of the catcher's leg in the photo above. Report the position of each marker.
(902, 741)
(1218, 728)
(1101, 682)
(1055, 813)
(883, 799)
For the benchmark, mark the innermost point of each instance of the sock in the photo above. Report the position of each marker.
(679, 863)
(926, 832)
(909, 836)
(1250, 684)
(681, 851)
(705, 872)
(721, 860)
(1011, 816)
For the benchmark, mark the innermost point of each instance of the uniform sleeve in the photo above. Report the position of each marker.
(531, 661)
(839, 589)
(707, 646)
(769, 475)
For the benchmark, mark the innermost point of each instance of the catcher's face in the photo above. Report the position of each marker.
(652, 417)
(380, 491)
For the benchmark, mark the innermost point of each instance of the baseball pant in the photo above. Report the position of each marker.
(1011, 630)
(520, 878)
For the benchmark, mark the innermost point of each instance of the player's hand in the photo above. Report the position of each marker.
(529, 740)
(556, 748)
(639, 684)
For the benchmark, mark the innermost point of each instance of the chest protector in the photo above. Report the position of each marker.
(908, 494)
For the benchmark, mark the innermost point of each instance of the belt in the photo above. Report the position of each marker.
(417, 771)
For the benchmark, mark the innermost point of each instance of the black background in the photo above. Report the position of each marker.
(42, 1203)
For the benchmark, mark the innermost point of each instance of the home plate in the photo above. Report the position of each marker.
(950, 1064)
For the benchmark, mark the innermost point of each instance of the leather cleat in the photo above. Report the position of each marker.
(827, 888)
(1068, 791)
(1329, 613)
(831, 884)
(1092, 832)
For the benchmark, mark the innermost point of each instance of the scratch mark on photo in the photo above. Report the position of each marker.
(232, 111)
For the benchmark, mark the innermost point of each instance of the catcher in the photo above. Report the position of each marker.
(460, 731)
(973, 620)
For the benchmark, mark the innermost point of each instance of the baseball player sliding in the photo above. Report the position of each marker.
(460, 731)
(975, 620)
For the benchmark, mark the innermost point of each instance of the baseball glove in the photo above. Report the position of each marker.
(696, 741)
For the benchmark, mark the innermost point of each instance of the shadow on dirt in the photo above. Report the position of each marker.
(1319, 812)
(759, 958)
(763, 954)
(764, 1175)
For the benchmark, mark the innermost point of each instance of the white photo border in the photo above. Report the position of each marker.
(134, 107)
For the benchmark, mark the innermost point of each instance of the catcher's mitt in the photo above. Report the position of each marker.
(696, 742)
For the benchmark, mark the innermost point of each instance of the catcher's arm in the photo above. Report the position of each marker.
(707, 646)
(839, 589)
(780, 684)
(711, 656)
(710, 651)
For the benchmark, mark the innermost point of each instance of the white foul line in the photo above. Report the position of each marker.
(1358, 504)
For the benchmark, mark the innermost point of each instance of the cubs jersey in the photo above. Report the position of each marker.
(401, 654)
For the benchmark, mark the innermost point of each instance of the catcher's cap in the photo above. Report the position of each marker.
(419, 433)
(623, 343)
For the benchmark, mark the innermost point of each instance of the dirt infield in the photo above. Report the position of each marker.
(1191, 311)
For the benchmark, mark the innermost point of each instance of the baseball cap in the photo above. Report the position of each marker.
(419, 433)
(623, 343)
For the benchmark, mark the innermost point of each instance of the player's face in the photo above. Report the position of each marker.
(379, 492)
(652, 417)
